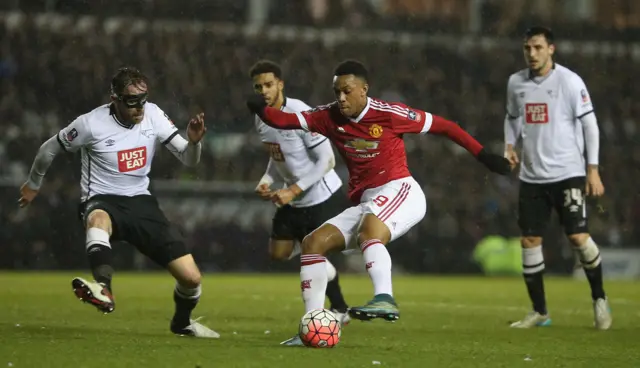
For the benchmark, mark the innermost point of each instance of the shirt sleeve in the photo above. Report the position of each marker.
(405, 119)
(312, 139)
(75, 135)
(579, 97)
(513, 110)
(165, 129)
(315, 120)
(591, 137)
(513, 119)
(47, 152)
(324, 162)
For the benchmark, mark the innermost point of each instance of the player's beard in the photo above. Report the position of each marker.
(279, 97)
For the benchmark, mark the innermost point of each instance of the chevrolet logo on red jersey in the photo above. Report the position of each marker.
(362, 145)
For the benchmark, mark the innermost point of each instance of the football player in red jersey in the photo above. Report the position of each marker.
(368, 134)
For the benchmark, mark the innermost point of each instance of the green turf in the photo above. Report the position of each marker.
(445, 322)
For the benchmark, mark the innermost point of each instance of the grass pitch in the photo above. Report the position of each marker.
(445, 322)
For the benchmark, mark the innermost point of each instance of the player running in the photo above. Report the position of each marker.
(304, 161)
(368, 134)
(117, 142)
(549, 107)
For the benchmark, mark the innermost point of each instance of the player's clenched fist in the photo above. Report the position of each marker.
(282, 197)
(264, 191)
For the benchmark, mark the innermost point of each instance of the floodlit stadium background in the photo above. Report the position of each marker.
(450, 57)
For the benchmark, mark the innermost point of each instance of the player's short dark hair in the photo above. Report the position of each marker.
(354, 67)
(265, 66)
(125, 77)
(540, 31)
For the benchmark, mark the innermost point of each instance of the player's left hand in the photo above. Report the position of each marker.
(594, 188)
(495, 163)
(282, 197)
(196, 128)
(255, 103)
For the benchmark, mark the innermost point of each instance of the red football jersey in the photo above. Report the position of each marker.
(372, 144)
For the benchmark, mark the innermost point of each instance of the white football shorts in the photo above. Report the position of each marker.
(399, 204)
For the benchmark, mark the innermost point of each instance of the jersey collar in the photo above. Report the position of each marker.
(363, 113)
(112, 112)
(533, 77)
(284, 103)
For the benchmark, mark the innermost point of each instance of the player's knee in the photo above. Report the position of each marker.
(190, 279)
(578, 239)
(313, 244)
(279, 251)
(530, 241)
(373, 228)
(99, 219)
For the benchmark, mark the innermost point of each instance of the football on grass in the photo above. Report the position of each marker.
(320, 328)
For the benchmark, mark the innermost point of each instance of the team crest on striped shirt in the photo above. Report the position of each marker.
(375, 131)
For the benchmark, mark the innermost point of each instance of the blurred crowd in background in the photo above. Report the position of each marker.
(56, 66)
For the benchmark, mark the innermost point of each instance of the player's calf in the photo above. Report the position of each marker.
(98, 247)
(98, 232)
(372, 237)
(533, 271)
(313, 264)
(187, 291)
(589, 256)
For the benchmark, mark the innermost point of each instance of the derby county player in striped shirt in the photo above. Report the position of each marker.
(549, 107)
(117, 142)
(388, 201)
(304, 161)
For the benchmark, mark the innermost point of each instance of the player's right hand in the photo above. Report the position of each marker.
(256, 103)
(264, 192)
(495, 163)
(26, 195)
(512, 156)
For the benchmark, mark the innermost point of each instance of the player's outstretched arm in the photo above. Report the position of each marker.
(188, 151)
(273, 117)
(47, 152)
(495, 163)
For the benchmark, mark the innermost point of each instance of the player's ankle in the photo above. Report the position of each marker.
(384, 297)
(542, 310)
